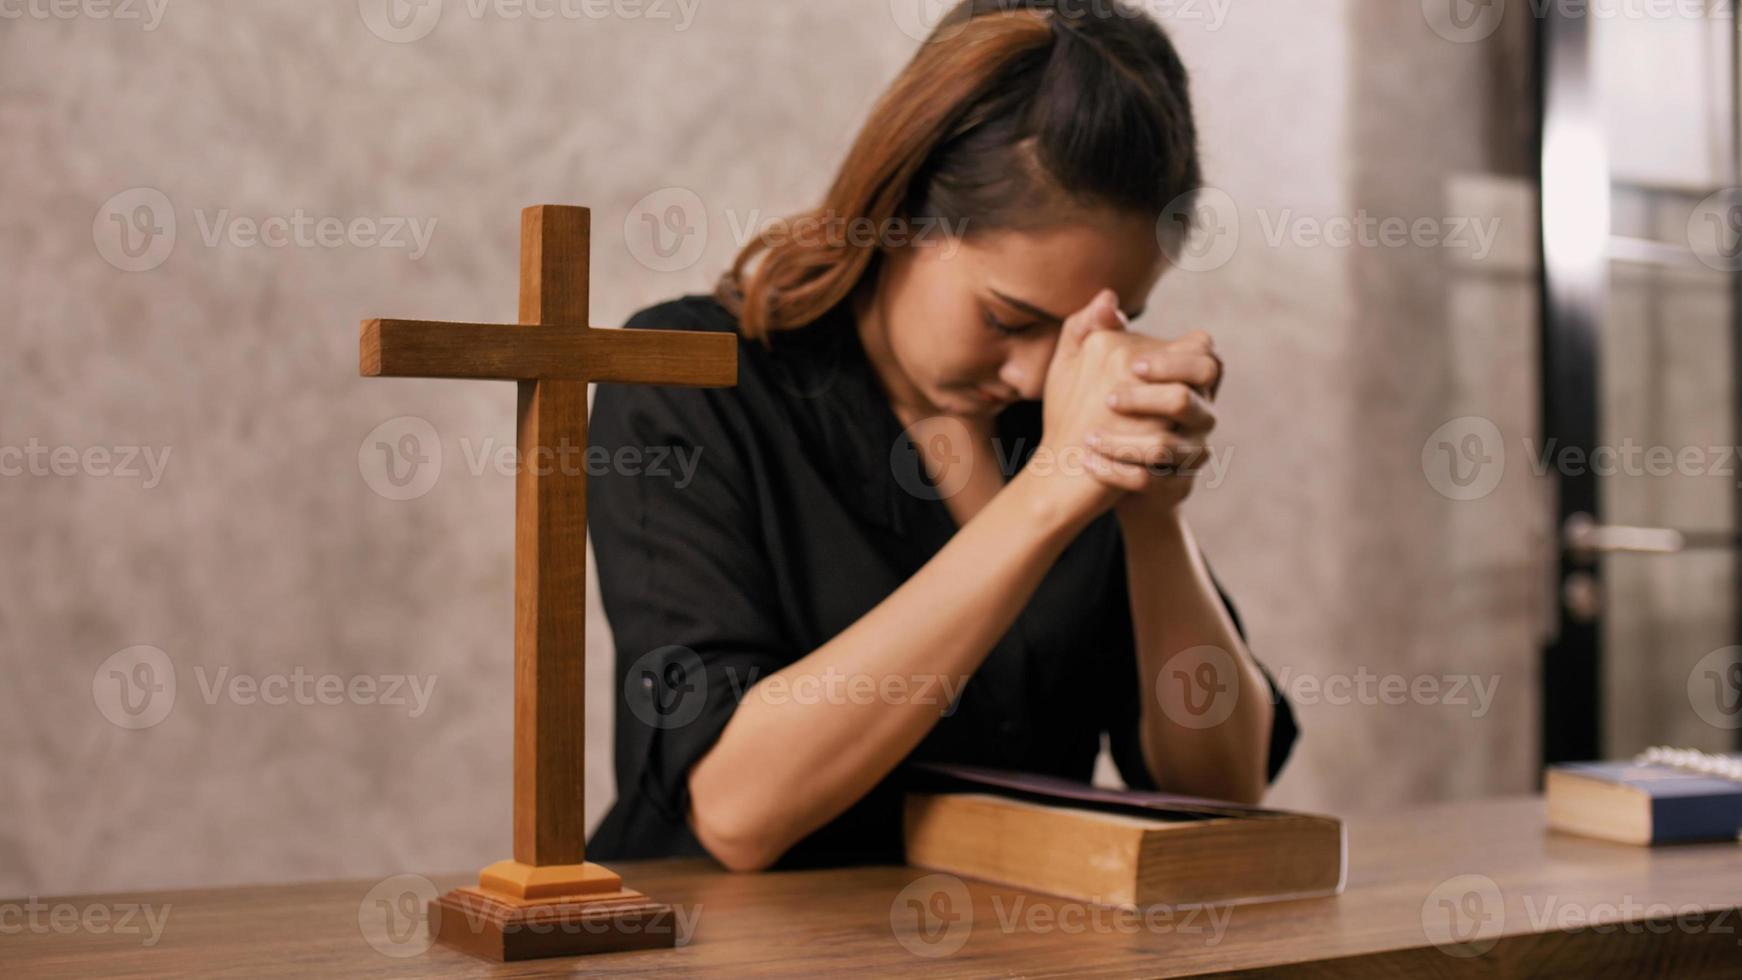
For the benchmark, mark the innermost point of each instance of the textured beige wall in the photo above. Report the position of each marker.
(264, 549)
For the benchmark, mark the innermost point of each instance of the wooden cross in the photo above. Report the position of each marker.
(549, 900)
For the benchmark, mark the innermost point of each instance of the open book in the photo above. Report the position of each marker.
(1116, 847)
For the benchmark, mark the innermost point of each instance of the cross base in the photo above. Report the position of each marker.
(500, 928)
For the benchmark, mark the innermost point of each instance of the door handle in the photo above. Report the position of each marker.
(1585, 538)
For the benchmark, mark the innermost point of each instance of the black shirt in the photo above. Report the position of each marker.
(738, 529)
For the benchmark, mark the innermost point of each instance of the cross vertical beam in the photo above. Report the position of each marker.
(550, 549)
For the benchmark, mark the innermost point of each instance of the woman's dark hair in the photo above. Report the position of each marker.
(1013, 114)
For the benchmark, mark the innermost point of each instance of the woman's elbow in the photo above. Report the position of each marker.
(740, 842)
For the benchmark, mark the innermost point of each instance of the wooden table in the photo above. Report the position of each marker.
(1529, 902)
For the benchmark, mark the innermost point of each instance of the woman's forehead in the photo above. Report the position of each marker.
(1057, 270)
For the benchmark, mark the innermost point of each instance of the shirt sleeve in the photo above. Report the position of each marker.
(1123, 730)
(684, 580)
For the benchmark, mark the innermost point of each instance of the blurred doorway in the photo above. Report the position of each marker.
(1641, 242)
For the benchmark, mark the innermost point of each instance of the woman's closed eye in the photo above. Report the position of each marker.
(1008, 330)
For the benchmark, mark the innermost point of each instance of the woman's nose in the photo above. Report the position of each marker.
(1025, 370)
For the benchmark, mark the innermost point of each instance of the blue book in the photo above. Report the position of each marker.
(1642, 803)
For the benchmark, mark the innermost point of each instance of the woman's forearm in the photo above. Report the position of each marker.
(787, 763)
(1215, 740)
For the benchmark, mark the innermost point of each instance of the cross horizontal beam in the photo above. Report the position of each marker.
(525, 352)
